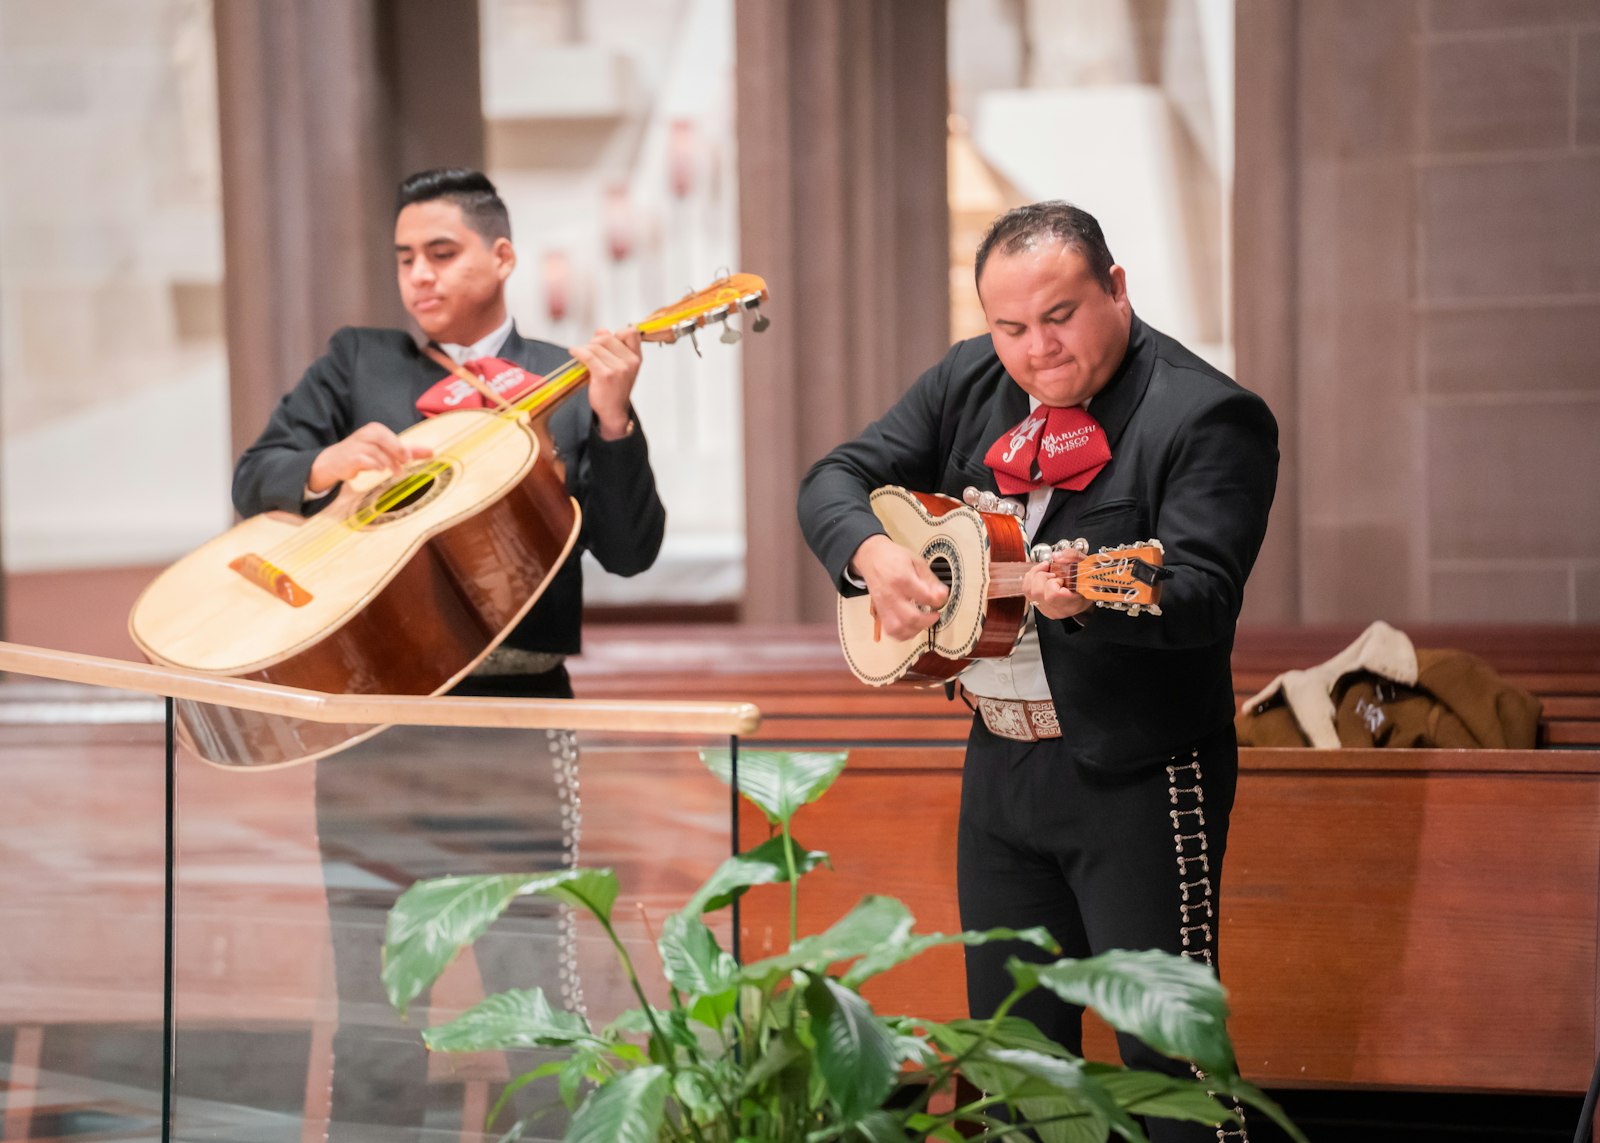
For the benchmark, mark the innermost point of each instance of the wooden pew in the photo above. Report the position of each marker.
(1414, 919)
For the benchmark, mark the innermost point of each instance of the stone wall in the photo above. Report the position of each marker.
(1417, 289)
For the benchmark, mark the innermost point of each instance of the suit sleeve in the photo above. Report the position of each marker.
(273, 472)
(1220, 479)
(901, 447)
(623, 517)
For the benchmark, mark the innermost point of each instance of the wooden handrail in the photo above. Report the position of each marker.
(314, 706)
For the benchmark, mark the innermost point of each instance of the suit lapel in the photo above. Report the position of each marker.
(515, 349)
(1113, 407)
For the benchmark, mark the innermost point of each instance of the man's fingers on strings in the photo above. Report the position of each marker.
(933, 591)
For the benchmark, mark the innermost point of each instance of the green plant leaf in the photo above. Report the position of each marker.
(912, 1049)
(1175, 1005)
(892, 953)
(520, 1018)
(691, 958)
(779, 782)
(922, 1124)
(874, 921)
(593, 890)
(855, 1053)
(880, 1127)
(777, 1054)
(583, 1064)
(697, 1096)
(549, 1067)
(434, 920)
(714, 1009)
(629, 1109)
(763, 865)
(958, 1036)
(1164, 1096)
(1047, 1086)
(675, 1034)
(629, 1022)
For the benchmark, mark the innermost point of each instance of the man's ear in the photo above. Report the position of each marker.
(1119, 283)
(505, 256)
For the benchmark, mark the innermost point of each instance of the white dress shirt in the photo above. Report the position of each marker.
(484, 347)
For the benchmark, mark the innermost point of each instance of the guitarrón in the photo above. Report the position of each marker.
(401, 585)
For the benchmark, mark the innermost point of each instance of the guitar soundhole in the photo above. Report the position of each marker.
(943, 560)
(404, 495)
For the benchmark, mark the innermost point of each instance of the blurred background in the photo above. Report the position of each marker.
(1379, 214)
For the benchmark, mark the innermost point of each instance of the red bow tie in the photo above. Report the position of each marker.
(504, 378)
(1065, 448)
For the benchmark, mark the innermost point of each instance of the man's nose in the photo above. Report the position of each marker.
(420, 271)
(1041, 342)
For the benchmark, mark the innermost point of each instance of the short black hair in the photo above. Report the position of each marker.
(1024, 227)
(470, 190)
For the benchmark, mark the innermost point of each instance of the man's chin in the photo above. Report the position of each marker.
(435, 329)
(1058, 391)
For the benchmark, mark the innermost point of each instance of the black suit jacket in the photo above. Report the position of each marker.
(1194, 464)
(377, 375)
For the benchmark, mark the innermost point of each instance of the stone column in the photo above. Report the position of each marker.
(323, 108)
(1265, 301)
(842, 187)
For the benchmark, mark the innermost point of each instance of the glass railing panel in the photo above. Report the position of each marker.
(82, 913)
(285, 880)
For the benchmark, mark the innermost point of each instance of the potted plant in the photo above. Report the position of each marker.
(785, 1048)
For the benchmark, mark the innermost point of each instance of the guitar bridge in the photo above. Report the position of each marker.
(269, 577)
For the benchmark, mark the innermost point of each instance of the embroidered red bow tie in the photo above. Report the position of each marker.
(503, 378)
(1065, 448)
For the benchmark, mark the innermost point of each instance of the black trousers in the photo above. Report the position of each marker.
(419, 802)
(1123, 860)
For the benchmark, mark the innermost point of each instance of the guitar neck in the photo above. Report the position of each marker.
(1005, 579)
(566, 380)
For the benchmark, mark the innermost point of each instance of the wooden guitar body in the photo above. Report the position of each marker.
(402, 601)
(960, 544)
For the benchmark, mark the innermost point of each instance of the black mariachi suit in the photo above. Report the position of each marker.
(1113, 834)
(416, 802)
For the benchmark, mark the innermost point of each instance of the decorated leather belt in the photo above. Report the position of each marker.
(1018, 719)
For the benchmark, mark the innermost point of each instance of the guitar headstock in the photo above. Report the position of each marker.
(716, 303)
(1127, 578)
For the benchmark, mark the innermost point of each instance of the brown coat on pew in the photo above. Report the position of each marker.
(1457, 702)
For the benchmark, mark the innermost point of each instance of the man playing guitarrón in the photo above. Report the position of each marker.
(453, 253)
(1100, 773)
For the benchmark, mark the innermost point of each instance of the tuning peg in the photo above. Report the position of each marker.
(970, 496)
(1040, 553)
(730, 336)
(695, 341)
(761, 323)
(1080, 545)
